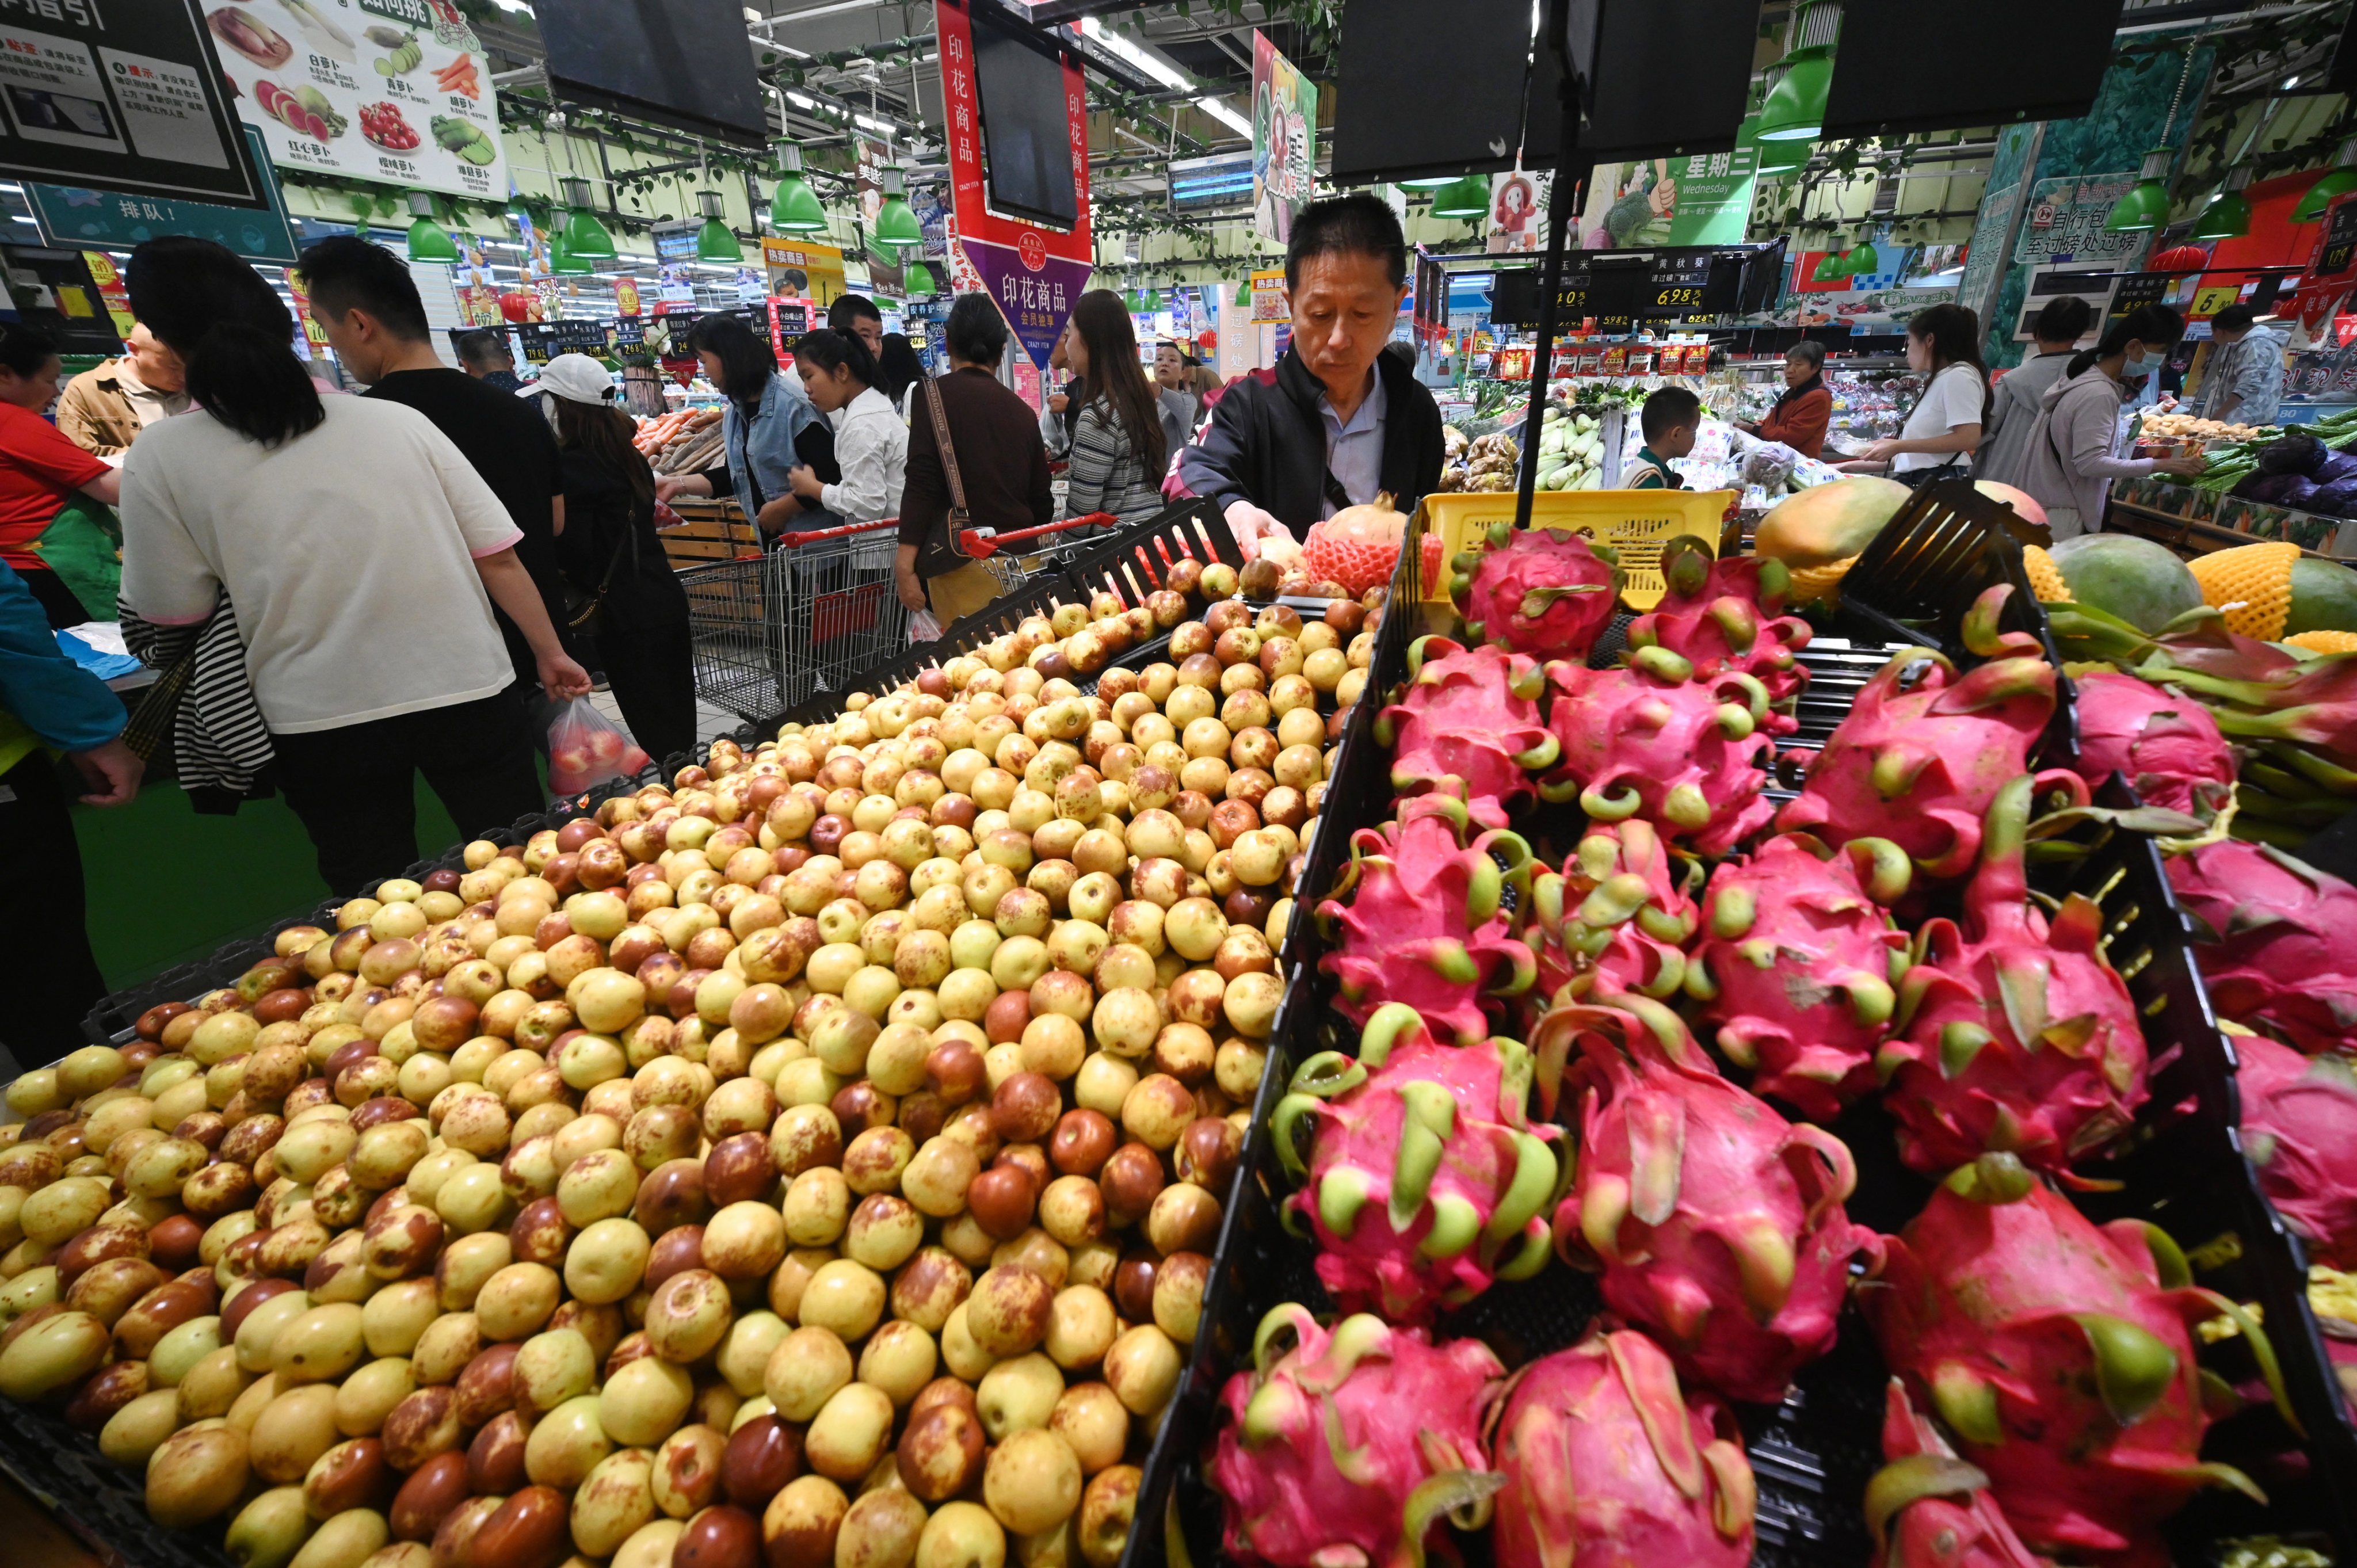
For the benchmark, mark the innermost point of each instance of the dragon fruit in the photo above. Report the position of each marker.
(1618, 914)
(1346, 1448)
(1939, 1505)
(1422, 923)
(2060, 1355)
(1424, 1179)
(2299, 1127)
(1797, 965)
(1717, 1224)
(1541, 591)
(1655, 741)
(2022, 1038)
(2167, 746)
(1726, 615)
(1609, 1465)
(1919, 766)
(1473, 715)
(2271, 929)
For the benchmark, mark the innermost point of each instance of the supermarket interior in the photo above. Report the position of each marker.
(1263, 783)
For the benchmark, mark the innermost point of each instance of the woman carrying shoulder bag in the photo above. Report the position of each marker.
(1944, 430)
(622, 590)
(975, 460)
(2072, 457)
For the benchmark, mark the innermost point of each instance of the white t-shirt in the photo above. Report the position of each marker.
(348, 554)
(1954, 398)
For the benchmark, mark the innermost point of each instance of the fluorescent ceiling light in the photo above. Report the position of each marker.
(865, 123)
(1226, 116)
(1152, 64)
(801, 101)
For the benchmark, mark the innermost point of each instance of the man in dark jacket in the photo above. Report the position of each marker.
(1336, 422)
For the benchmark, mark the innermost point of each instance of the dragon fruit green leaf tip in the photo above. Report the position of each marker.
(1919, 764)
(1426, 1179)
(2059, 1355)
(1470, 715)
(1717, 1225)
(1928, 1509)
(1419, 916)
(1539, 591)
(1725, 613)
(1798, 965)
(2019, 1035)
(1618, 915)
(1608, 1465)
(1344, 1449)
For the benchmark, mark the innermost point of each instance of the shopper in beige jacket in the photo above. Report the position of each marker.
(103, 409)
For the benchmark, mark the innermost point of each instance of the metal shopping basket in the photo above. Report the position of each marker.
(1016, 558)
(771, 629)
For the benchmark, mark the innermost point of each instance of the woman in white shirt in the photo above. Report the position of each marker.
(871, 443)
(361, 553)
(1944, 430)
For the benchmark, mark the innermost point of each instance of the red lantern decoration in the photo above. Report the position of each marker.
(518, 307)
(2180, 259)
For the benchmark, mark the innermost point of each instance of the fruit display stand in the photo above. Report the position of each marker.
(1634, 523)
(1813, 1456)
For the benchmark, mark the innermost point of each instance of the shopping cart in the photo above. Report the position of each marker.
(1017, 557)
(768, 630)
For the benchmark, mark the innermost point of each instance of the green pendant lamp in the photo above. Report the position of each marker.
(584, 235)
(1244, 292)
(2337, 180)
(2229, 216)
(1862, 261)
(895, 221)
(917, 282)
(429, 240)
(1131, 302)
(795, 208)
(1795, 106)
(1153, 301)
(1425, 182)
(713, 242)
(1462, 200)
(2146, 205)
(563, 262)
(1832, 267)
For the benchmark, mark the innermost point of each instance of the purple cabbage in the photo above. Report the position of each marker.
(2338, 498)
(2337, 465)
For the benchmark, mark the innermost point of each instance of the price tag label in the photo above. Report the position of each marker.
(2212, 298)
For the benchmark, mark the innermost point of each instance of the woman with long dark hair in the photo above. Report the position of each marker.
(40, 469)
(896, 370)
(626, 597)
(2073, 450)
(1118, 446)
(1944, 430)
(871, 445)
(363, 554)
(768, 429)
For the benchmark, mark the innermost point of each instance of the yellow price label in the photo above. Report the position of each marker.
(2211, 300)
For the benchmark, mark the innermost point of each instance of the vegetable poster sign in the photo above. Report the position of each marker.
(1034, 274)
(391, 91)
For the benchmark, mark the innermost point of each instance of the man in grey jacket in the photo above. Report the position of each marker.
(2014, 403)
(2244, 383)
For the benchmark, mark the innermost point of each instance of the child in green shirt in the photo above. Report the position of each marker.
(1670, 419)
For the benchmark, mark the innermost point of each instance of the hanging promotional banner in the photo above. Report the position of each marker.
(2065, 222)
(1034, 274)
(1268, 295)
(803, 269)
(1284, 141)
(76, 215)
(1704, 200)
(1518, 201)
(392, 90)
(122, 99)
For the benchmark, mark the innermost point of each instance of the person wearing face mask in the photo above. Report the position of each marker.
(2073, 450)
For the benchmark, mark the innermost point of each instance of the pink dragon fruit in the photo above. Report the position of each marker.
(1940, 1506)
(1726, 615)
(1618, 915)
(1424, 1179)
(2022, 1038)
(1422, 923)
(1717, 1224)
(1920, 765)
(1473, 715)
(1344, 1450)
(2059, 1355)
(1654, 741)
(2272, 929)
(1542, 592)
(1609, 1465)
(2167, 746)
(2299, 1127)
(1797, 966)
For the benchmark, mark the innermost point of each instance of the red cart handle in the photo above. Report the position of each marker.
(982, 544)
(795, 540)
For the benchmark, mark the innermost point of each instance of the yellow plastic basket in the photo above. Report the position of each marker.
(1636, 523)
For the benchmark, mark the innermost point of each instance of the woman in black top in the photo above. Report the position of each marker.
(613, 560)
